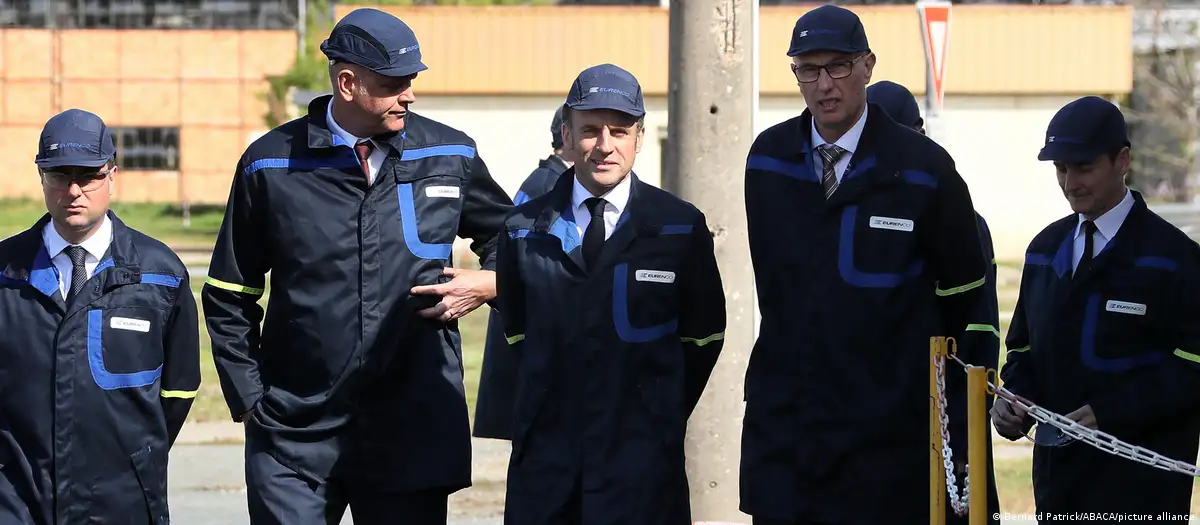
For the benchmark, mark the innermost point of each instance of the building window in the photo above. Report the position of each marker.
(147, 149)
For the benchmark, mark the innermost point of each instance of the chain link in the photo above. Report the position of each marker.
(1095, 438)
(960, 505)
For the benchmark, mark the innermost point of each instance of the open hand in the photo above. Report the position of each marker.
(466, 291)
(1084, 416)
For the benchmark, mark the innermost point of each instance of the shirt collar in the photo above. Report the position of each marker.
(1111, 221)
(95, 245)
(618, 196)
(341, 133)
(848, 140)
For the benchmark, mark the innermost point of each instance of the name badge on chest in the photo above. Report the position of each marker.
(890, 223)
(654, 276)
(442, 192)
(1122, 307)
(127, 323)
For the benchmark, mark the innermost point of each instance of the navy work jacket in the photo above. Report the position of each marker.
(93, 392)
(345, 376)
(610, 360)
(494, 404)
(850, 291)
(1124, 338)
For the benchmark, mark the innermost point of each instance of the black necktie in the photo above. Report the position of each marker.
(593, 237)
(1089, 231)
(78, 271)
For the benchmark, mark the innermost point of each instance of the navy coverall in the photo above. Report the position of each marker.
(850, 291)
(1123, 337)
(494, 404)
(610, 361)
(979, 345)
(93, 392)
(345, 380)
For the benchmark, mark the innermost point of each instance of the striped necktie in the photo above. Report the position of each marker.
(830, 153)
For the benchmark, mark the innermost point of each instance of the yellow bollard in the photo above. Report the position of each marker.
(937, 469)
(977, 428)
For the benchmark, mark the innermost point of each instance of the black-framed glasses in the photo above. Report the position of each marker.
(87, 180)
(836, 70)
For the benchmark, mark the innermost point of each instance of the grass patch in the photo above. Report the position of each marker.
(1014, 485)
(161, 221)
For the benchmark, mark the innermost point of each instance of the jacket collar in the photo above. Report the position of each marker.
(31, 262)
(320, 136)
(558, 219)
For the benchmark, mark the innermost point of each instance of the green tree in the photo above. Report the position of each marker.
(309, 71)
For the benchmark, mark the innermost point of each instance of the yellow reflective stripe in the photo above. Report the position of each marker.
(1187, 355)
(233, 287)
(961, 289)
(516, 338)
(181, 394)
(1022, 349)
(703, 341)
(983, 328)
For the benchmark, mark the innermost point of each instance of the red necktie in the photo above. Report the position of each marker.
(363, 150)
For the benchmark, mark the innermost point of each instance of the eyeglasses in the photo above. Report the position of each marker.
(87, 181)
(810, 73)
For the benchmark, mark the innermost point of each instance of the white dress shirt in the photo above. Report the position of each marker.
(848, 142)
(378, 154)
(1106, 228)
(95, 246)
(615, 201)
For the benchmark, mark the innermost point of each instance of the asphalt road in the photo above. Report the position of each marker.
(207, 487)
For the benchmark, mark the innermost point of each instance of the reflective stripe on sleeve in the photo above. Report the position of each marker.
(179, 394)
(961, 289)
(704, 340)
(1187, 355)
(516, 338)
(983, 328)
(232, 287)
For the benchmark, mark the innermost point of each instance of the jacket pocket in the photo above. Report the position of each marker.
(429, 212)
(645, 302)
(151, 468)
(125, 346)
(877, 247)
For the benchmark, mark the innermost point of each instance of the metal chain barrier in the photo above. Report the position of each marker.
(1095, 438)
(960, 505)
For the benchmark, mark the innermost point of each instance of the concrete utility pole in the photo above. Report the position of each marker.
(711, 104)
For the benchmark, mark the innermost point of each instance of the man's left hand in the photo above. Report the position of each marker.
(1084, 416)
(466, 291)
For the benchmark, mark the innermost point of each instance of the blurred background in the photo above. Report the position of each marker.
(188, 84)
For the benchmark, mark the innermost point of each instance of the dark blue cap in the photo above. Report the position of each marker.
(1083, 130)
(75, 138)
(828, 28)
(606, 87)
(556, 125)
(897, 101)
(377, 41)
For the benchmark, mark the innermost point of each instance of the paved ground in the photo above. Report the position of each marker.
(207, 484)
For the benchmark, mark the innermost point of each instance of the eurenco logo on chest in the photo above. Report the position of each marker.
(890, 223)
(654, 276)
(444, 192)
(126, 323)
(1123, 307)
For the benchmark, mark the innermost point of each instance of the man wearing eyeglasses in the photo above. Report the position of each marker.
(1105, 331)
(99, 358)
(865, 245)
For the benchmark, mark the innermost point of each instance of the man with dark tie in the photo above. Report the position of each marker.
(865, 245)
(100, 352)
(1105, 331)
(614, 310)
